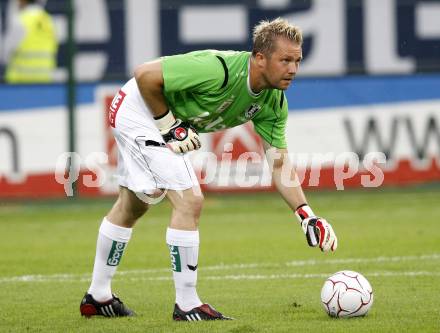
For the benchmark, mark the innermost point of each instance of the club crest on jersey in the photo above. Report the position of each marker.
(253, 109)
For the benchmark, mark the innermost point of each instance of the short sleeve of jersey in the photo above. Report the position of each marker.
(272, 129)
(195, 71)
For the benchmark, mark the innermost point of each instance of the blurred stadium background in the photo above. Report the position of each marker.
(369, 82)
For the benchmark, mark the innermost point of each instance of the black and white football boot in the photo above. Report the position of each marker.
(112, 308)
(202, 312)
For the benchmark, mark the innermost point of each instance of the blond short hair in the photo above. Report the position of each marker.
(266, 32)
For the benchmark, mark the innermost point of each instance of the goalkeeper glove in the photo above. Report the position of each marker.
(179, 136)
(317, 230)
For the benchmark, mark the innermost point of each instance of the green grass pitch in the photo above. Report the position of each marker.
(254, 262)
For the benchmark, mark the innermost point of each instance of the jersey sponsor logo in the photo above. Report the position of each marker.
(225, 105)
(253, 109)
(114, 107)
(116, 253)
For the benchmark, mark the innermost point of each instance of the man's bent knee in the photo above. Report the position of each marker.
(189, 203)
(195, 205)
(187, 206)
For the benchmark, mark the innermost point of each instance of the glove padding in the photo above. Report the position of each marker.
(319, 232)
(179, 136)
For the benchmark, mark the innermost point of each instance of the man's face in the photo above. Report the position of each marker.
(281, 66)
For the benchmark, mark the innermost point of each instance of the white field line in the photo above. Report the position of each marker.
(288, 276)
(125, 275)
(42, 278)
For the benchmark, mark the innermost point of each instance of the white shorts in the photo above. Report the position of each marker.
(145, 164)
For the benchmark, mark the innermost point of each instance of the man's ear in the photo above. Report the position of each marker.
(260, 59)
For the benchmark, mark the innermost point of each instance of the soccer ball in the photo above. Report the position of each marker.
(346, 294)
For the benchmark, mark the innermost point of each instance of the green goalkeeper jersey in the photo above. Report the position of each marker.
(210, 90)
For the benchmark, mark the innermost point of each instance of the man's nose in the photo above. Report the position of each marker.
(293, 68)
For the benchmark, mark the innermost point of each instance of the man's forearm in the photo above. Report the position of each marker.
(180, 137)
(284, 176)
(149, 79)
(292, 194)
(317, 230)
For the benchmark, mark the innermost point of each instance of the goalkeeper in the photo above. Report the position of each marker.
(156, 118)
